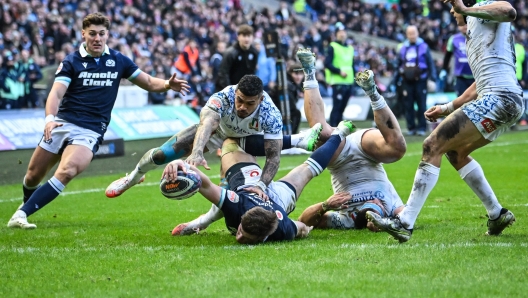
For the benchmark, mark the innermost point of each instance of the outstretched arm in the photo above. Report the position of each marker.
(443, 110)
(209, 122)
(152, 84)
(302, 229)
(498, 11)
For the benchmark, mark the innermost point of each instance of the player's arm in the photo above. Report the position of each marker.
(302, 229)
(152, 84)
(52, 107)
(315, 215)
(272, 148)
(498, 11)
(209, 122)
(208, 189)
(443, 110)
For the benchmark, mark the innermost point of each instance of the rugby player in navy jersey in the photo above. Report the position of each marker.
(251, 217)
(78, 111)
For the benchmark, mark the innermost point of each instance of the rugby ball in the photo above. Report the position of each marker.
(185, 186)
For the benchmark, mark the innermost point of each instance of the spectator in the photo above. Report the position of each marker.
(463, 74)
(216, 58)
(339, 64)
(266, 67)
(32, 74)
(188, 63)
(13, 85)
(416, 67)
(239, 60)
(520, 65)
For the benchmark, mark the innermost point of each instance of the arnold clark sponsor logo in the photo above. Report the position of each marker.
(94, 79)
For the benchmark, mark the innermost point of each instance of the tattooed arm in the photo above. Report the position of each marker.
(209, 122)
(272, 148)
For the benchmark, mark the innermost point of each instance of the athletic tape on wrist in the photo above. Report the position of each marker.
(49, 118)
(262, 185)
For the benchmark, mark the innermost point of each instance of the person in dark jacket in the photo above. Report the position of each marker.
(239, 60)
(295, 78)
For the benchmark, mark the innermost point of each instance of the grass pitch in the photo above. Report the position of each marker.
(89, 246)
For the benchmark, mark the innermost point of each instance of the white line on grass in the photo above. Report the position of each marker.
(76, 192)
(150, 249)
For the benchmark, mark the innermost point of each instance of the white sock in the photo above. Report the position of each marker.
(144, 165)
(295, 139)
(474, 177)
(312, 84)
(424, 181)
(19, 213)
(207, 219)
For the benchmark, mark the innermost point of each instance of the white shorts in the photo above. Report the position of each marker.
(70, 134)
(494, 113)
(247, 174)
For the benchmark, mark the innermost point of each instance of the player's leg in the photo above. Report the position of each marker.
(390, 146)
(177, 146)
(40, 164)
(74, 160)
(319, 159)
(313, 102)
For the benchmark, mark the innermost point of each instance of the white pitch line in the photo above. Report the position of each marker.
(76, 192)
(164, 248)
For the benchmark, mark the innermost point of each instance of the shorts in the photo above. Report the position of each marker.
(246, 174)
(494, 113)
(70, 134)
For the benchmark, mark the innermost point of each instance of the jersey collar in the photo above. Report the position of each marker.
(84, 53)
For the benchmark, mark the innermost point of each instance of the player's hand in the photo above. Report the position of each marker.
(179, 85)
(257, 190)
(458, 5)
(339, 201)
(48, 128)
(197, 159)
(434, 113)
(171, 170)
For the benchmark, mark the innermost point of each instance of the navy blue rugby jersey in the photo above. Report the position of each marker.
(92, 86)
(235, 204)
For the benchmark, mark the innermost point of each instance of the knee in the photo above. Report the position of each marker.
(430, 147)
(67, 172)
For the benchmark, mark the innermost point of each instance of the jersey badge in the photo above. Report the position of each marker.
(110, 63)
(59, 68)
(85, 64)
(279, 214)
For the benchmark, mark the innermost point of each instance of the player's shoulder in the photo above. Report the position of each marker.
(226, 93)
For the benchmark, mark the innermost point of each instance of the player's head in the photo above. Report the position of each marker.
(95, 33)
(340, 31)
(412, 33)
(245, 36)
(360, 220)
(248, 95)
(296, 73)
(256, 225)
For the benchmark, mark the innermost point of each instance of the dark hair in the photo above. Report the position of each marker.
(250, 85)
(361, 218)
(245, 30)
(259, 222)
(96, 19)
(469, 3)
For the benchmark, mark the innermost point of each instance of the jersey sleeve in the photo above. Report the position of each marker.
(449, 46)
(272, 122)
(220, 101)
(232, 208)
(286, 231)
(64, 73)
(130, 69)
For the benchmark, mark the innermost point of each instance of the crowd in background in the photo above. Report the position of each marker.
(37, 35)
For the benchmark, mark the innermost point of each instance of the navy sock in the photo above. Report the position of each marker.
(254, 144)
(28, 192)
(321, 157)
(42, 196)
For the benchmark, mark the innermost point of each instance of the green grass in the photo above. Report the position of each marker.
(89, 246)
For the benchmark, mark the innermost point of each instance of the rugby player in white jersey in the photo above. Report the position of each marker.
(476, 118)
(358, 178)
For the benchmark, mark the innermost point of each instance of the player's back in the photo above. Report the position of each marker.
(491, 55)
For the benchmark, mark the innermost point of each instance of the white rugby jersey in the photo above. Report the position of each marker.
(266, 119)
(365, 179)
(490, 49)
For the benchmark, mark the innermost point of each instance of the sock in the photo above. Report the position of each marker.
(28, 190)
(373, 93)
(321, 157)
(43, 195)
(254, 144)
(144, 165)
(310, 84)
(207, 219)
(474, 177)
(379, 104)
(338, 132)
(287, 141)
(424, 181)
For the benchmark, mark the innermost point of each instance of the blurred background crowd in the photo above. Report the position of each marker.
(37, 35)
